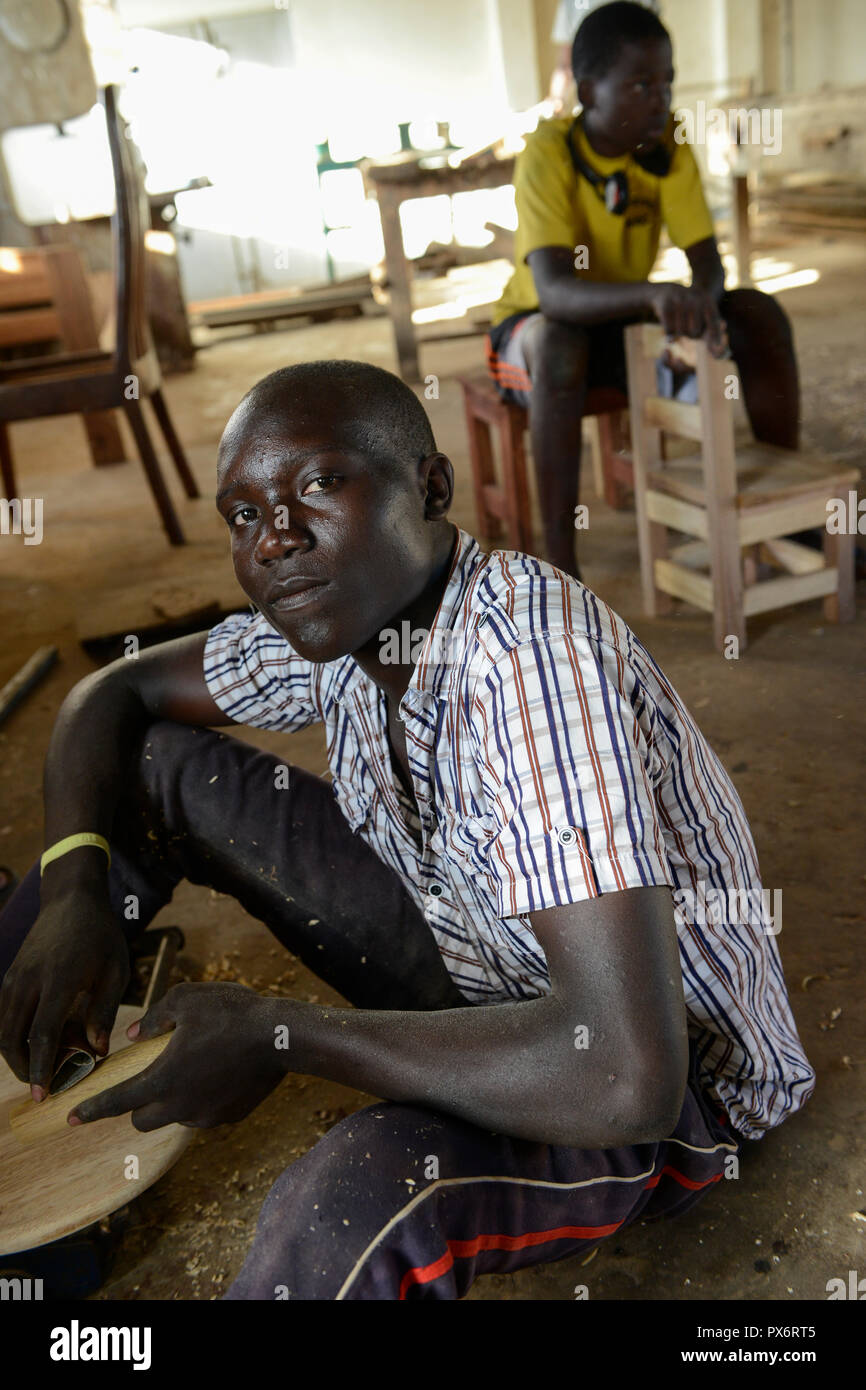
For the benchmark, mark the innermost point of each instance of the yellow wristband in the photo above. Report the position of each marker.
(85, 837)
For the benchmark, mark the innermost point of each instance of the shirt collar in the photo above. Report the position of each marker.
(443, 643)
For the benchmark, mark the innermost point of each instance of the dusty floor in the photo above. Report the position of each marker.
(786, 720)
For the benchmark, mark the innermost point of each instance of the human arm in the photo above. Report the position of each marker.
(573, 843)
(708, 273)
(683, 311)
(522, 1068)
(74, 963)
(525, 1069)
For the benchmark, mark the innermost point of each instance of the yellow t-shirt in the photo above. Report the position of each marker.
(557, 206)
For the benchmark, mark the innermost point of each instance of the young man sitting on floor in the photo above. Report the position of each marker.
(592, 195)
(491, 881)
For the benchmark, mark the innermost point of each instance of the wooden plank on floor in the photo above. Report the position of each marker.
(261, 307)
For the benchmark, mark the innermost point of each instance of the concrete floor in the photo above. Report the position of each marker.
(786, 720)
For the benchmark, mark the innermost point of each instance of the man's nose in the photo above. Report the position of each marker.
(279, 535)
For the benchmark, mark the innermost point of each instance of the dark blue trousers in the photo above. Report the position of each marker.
(396, 1201)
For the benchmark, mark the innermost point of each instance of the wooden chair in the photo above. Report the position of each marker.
(45, 300)
(91, 380)
(508, 501)
(737, 504)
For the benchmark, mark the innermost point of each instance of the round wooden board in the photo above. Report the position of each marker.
(60, 1184)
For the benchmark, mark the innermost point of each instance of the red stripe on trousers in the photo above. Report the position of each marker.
(465, 1249)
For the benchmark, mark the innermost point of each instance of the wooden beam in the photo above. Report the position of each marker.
(646, 442)
(780, 519)
(685, 584)
(792, 556)
(841, 607)
(20, 326)
(790, 588)
(720, 482)
(399, 281)
(24, 680)
(70, 296)
(694, 555)
(676, 416)
(680, 516)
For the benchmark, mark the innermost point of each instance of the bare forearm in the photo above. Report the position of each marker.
(708, 273)
(513, 1068)
(84, 772)
(710, 279)
(569, 300)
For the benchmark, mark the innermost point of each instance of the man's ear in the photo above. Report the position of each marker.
(586, 93)
(438, 474)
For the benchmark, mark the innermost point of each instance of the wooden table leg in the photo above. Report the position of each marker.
(399, 283)
(106, 441)
(742, 236)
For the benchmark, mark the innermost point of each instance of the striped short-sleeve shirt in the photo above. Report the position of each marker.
(552, 761)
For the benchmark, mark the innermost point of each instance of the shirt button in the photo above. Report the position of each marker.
(566, 836)
(435, 890)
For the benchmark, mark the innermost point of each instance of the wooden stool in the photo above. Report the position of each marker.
(508, 502)
(736, 504)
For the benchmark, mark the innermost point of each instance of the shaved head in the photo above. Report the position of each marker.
(364, 407)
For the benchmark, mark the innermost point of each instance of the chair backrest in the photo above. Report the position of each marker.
(710, 422)
(27, 313)
(44, 296)
(129, 224)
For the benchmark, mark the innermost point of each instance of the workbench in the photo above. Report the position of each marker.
(398, 181)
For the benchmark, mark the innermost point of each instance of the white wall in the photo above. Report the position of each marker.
(699, 35)
(406, 58)
(721, 39)
(829, 43)
(167, 12)
(849, 56)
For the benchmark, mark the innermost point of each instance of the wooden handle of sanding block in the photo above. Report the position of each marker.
(34, 1120)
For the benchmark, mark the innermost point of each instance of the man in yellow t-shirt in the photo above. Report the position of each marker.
(592, 194)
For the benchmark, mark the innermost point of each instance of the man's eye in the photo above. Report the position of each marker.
(326, 478)
(244, 514)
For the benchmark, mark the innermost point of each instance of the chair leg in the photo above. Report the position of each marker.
(7, 464)
(518, 522)
(175, 448)
(591, 434)
(610, 436)
(483, 472)
(165, 506)
(841, 606)
(655, 544)
(726, 571)
(611, 486)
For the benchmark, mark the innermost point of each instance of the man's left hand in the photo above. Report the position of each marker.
(222, 1060)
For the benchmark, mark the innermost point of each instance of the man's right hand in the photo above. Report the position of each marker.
(70, 974)
(686, 312)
